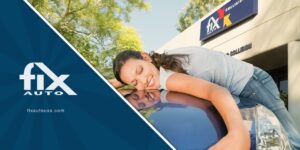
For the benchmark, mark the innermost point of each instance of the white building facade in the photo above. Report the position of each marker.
(269, 39)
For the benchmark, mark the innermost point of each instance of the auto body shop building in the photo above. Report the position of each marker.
(265, 33)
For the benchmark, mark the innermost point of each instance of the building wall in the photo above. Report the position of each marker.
(273, 33)
(276, 23)
(294, 80)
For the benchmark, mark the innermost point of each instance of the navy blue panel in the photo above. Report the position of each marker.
(96, 118)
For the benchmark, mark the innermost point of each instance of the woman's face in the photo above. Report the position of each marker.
(142, 74)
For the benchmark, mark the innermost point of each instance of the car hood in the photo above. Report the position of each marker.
(187, 127)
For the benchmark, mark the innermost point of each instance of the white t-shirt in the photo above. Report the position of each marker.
(213, 66)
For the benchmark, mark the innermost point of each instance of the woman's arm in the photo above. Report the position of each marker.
(237, 137)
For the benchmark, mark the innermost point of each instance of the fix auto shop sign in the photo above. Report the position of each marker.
(230, 14)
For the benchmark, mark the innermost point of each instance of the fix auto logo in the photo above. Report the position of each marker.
(58, 81)
(213, 23)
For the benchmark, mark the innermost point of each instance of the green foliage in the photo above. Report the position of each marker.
(284, 97)
(194, 10)
(94, 27)
(147, 112)
(127, 39)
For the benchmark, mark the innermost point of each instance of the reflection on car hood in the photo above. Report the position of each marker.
(192, 127)
(188, 127)
(192, 123)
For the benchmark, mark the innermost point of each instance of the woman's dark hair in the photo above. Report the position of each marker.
(170, 62)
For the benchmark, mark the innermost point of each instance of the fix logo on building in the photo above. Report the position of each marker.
(51, 89)
(228, 15)
(213, 23)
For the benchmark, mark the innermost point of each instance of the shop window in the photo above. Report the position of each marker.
(280, 77)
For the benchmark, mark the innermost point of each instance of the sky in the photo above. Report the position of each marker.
(158, 25)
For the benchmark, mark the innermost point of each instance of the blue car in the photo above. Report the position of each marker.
(188, 122)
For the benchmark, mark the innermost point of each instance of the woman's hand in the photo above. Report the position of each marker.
(233, 141)
(115, 83)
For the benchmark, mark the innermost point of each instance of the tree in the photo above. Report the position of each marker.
(127, 39)
(194, 10)
(94, 27)
(148, 112)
